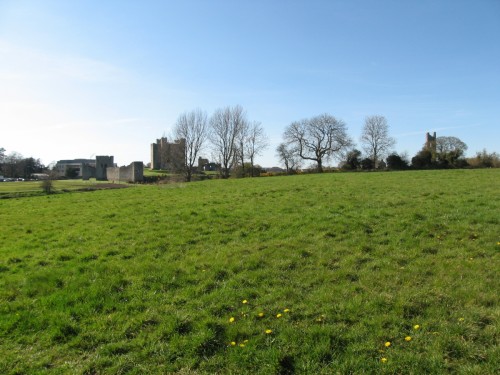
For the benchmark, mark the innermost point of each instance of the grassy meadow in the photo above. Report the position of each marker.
(310, 274)
(31, 188)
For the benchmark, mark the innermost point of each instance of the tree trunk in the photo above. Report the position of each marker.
(320, 166)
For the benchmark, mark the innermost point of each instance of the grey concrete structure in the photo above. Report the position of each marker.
(80, 165)
(86, 168)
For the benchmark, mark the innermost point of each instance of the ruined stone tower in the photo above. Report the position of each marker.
(168, 156)
(430, 142)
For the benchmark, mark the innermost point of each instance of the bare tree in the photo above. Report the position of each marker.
(47, 184)
(192, 127)
(289, 157)
(375, 138)
(12, 164)
(256, 143)
(241, 141)
(226, 126)
(318, 139)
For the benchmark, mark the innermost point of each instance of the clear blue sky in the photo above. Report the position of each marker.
(86, 77)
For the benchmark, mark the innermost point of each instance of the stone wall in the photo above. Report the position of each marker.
(131, 173)
(87, 171)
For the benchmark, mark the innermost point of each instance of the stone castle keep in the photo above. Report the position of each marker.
(169, 156)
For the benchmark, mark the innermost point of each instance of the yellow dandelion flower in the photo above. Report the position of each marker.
(242, 345)
(260, 315)
(233, 343)
(461, 319)
(498, 243)
(244, 301)
(408, 338)
(387, 344)
(383, 360)
(231, 319)
(269, 331)
(416, 327)
(286, 310)
(245, 341)
(279, 315)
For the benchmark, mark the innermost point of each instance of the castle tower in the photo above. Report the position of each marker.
(155, 155)
(101, 163)
(168, 156)
(430, 142)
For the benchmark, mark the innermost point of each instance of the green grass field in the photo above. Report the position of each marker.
(309, 274)
(33, 188)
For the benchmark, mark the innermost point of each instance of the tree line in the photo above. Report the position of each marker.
(14, 165)
(322, 138)
(235, 142)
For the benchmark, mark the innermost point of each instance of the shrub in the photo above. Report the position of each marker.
(396, 162)
(47, 186)
(484, 159)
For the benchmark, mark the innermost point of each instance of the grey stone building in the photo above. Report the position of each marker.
(169, 156)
